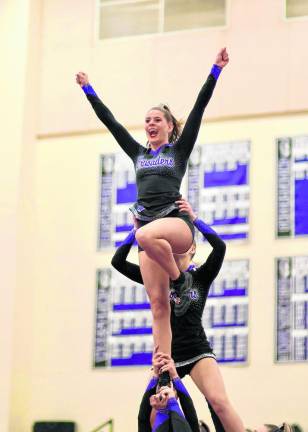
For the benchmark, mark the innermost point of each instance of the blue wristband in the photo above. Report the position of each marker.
(215, 71)
(89, 90)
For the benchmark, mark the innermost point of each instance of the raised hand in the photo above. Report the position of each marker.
(82, 79)
(222, 58)
(169, 366)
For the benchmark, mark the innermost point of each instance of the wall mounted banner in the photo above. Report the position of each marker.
(292, 186)
(218, 187)
(292, 309)
(124, 321)
(118, 193)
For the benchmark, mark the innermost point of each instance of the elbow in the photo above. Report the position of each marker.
(223, 247)
(115, 263)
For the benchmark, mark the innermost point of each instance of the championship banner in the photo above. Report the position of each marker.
(292, 186)
(292, 309)
(118, 193)
(218, 187)
(124, 320)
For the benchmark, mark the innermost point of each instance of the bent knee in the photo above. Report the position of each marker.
(143, 237)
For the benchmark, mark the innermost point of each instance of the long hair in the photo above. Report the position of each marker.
(177, 124)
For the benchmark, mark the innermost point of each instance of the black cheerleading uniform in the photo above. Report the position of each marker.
(189, 342)
(172, 418)
(159, 172)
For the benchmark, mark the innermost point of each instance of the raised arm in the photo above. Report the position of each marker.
(120, 263)
(190, 132)
(210, 269)
(122, 136)
(145, 408)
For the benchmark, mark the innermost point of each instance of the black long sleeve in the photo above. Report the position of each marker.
(192, 125)
(120, 263)
(187, 405)
(122, 136)
(210, 269)
(145, 408)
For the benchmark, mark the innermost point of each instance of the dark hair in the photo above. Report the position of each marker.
(177, 124)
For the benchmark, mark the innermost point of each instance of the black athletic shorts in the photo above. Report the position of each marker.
(186, 369)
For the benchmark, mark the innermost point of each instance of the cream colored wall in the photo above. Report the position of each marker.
(47, 308)
(14, 43)
(67, 200)
(267, 52)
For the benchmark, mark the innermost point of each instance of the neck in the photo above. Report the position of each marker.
(157, 144)
(183, 262)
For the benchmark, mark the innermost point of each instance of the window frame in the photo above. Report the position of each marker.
(292, 19)
(119, 39)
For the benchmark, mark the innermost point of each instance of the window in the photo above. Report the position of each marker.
(135, 17)
(296, 8)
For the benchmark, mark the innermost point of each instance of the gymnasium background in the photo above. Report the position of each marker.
(51, 149)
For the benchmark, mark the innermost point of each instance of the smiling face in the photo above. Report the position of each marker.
(157, 128)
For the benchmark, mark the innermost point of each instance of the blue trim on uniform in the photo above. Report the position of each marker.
(178, 385)
(130, 238)
(89, 90)
(173, 405)
(203, 227)
(153, 382)
(162, 147)
(161, 417)
(215, 71)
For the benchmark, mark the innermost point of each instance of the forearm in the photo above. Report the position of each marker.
(124, 139)
(145, 407)
(120, 263)
(209, 234)
(192, 125)
(207, 272)
(187, 404)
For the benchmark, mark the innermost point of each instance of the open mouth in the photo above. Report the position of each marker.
(153, 133)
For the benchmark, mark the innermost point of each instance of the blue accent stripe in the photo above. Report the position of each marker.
(173, 405)
(119, 243)
(228, 325)
(131, 306)
(203, 227)
(179, 385)
(122, 228)
(302, 159)
(230, 221)
(226, 178)
(215, 71)
(234, 292)
(301, 207)
(127, 194)
(233, 236)
(152, 383)
(161, 148)
(141, 359)
(232, 360)
(134, 331)
(89, 90)
(161, 419)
